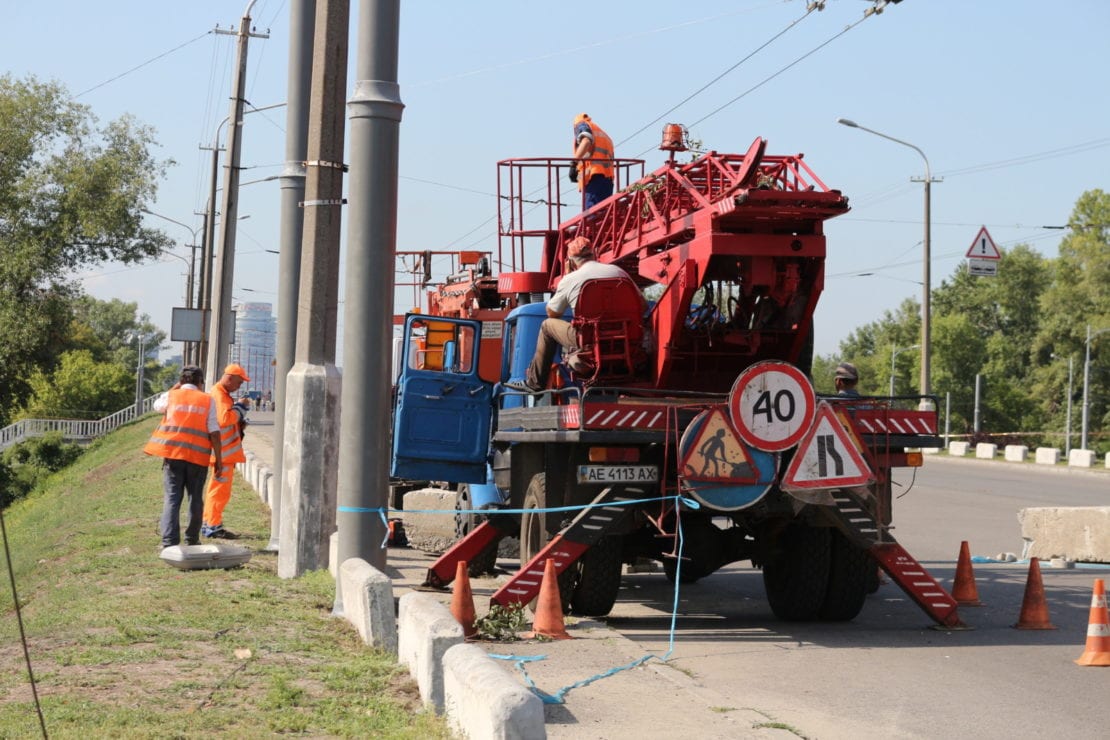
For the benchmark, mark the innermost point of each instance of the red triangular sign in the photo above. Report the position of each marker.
(827, 457)
(983, 247)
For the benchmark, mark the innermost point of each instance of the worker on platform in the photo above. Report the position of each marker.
(186, 439)
(594, 168)
(581, 266)
(845, 380)
(232, 418)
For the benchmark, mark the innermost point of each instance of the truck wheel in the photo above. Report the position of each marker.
(599, 578)
(850, 569)
(796, 573)
(534, 537)
(466, 520)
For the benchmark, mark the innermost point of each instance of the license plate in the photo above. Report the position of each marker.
(618, 474)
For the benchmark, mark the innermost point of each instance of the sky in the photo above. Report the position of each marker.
(1007, 99)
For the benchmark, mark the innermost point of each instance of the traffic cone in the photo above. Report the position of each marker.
(1097, 651)
(462, 601)
(964, 590)
(1034, 609)
(549, 607)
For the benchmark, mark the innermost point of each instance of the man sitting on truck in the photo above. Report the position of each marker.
(581, 266)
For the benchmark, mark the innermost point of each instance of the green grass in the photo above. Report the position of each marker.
(123, 645)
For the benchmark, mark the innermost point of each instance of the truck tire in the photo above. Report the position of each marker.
(850, 571)
(599, 578)
(796, 573)
(534, 537)
(466, 520)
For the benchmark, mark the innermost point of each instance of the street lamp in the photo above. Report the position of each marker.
(894, 352)
(192, 263)
(1087, 384)
(1067, 422)
(139, 372)
(926, 387)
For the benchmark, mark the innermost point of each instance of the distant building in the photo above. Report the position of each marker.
(255, 343)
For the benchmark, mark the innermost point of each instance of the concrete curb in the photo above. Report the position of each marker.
(426, 632)
(368, 603)
(483, 701)
(1024, 466)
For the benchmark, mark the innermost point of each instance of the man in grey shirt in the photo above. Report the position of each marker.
(582, 265)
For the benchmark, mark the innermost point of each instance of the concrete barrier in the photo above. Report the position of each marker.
(957, 449)
(426, 631)
(986, 451)
(1081, 459)
(1016, 453)
(930, 450)
(1108, 460)
(430, 532)
(1068, 532)
(483, 701)
(368, 603)
(1047, 456)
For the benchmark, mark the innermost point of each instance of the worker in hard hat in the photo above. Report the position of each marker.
(593, 169)
(232, 419)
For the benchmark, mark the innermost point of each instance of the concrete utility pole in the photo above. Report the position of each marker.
(312, 388)
(375, 111)
(302, 15)
(219, 318)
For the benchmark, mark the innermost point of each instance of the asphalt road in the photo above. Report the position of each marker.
(887, 673)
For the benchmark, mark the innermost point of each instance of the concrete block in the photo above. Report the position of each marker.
(368, 603)
(1081, 459)
(1016, 453)
(333, 555)
(957, 449)
(484, 701)
(267, 482)
(1069, 532)
(930, 450)
(1108, 460)
(425, 632)
(430, 532)
(1047, 456)
(986, 451)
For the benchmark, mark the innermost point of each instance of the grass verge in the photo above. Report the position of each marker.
(123, 645)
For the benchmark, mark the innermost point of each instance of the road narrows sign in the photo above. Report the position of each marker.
(772, 405)
(828, 457)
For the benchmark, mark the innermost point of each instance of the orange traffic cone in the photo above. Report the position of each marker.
(1034, 609)
(549, 607)
(462, 601)
(964, 590)
(1097, 651)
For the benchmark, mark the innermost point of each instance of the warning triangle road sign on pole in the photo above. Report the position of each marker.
(983, 247)
(828, 456)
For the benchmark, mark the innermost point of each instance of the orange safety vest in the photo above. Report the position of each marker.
(183, 432)
(231, 444)
(601, 160)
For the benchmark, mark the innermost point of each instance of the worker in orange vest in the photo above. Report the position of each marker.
(593, 150)
(232, 420)
(186, 439)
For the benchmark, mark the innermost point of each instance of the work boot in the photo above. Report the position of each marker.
(219, 533)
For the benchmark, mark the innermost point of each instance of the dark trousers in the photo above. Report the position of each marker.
(179, 478)
(597, 189)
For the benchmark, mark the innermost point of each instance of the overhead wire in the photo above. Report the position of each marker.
(136, 68)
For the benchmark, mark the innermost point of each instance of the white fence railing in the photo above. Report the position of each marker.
(73, 430)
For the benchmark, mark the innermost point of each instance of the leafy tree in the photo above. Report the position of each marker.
(79, 388)
(71, 195)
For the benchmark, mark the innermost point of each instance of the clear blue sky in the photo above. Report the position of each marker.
(1007, 99)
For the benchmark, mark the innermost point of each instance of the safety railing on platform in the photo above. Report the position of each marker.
(73, 430)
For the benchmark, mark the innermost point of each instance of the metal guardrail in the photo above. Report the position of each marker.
(73, 430)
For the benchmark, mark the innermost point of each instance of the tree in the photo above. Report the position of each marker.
(79, 388)
(71, 195)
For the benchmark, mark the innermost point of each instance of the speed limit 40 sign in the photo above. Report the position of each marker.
(772, 405)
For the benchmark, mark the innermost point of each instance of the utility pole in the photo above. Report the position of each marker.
(375, 112)
(302, 15)
(219, 319)
(308, 470)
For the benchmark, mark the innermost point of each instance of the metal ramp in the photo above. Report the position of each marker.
(857, 523)
(564, 549)
(486, 534)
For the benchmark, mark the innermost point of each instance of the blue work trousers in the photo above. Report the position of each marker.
(178, 479)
